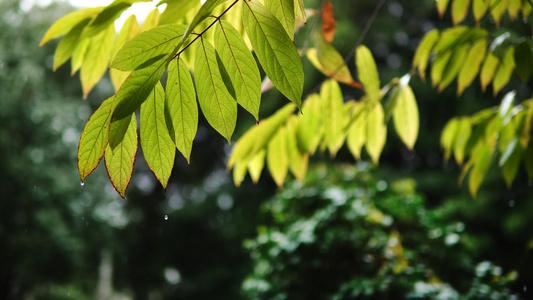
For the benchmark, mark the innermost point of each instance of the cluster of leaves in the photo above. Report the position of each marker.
(463, 52)
(225, 74)
(346, 235)
(287, 140)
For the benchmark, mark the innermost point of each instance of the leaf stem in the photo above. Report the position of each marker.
(199, 35)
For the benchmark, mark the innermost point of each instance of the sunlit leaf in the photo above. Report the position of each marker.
(406, 120)
(479, 8)
(275, 50)
(459, 10)
(298, 161)
(79, 55)
(147, 47)
(525, 136)
(239, 172)
(376, 132)
(97, 59)
(176, 10)
(514, 8)
(277, 157)
(329, 25)
(439, 65)
(68, 22)
(487, 71)
(510, 161)
(528, 160)
(333, 115)
(158, 148)
(218, 106)
(447, 137)
(300, 10)
(497, 9)
(464, 130)
(441, 6)
(483, 159)
(357, 131)
(308, 124)
(68, 43)
(453, 66)
(94, 139)
(423, 51)
(283, 10)
(256, 165)
(504, 71)
(151, 21)
(128, 31)
(367, 72)
(120, 157)
(181, 109)
(471, 65)
(240, 67)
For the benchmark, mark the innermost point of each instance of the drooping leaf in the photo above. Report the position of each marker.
(176, 10)
(447, 137)
(471, 65)
(479, 8)
(514, 8)
(523, 57)
(218, 106)
(423, 51)
(459, 35)
(497, 9)
(120, 157)
(298, 161)
(68, 43)
(525, 136)
(308, 124)
(357, 132)
(240, 66)
(454, 65)
(94, 139)
(277, 157)
(333, 115)
(441, 6)
(148, 46)
(68, 22)
(283, 10)
(300, 10)
(158, 148)
(528, 160)
(181, 108)
(136, 89)
(406, 119)
(504, 71)
(376, 132)
(275, 50)
(239, 172)
(510, 161)
(459, 10)
(367, 72)
(487, 71)
(151, 21)
(439, 66)
(256, 165)
(97, 59)
(464, 131)
(79, 55)
(329, 25)
(483, 159)
(128, 31)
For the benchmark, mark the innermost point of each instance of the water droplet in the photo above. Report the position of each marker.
(166, 217)
(82, 183)
(511, 203)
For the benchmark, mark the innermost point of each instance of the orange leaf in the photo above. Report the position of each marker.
(328, 22)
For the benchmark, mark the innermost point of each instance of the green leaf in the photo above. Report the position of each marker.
(158, 148)
(497, 9)
(504, 71)
(68, 22)
(479, 8)
(357, 131)
(523, 57)
(510, 161)
(147, 47)
(275, 50)
(406, 120)
(326, 59)
(298, 161)
(459, 10)
(284, 12)
(423, 51)
(441, 6)
(471, 65)
(181, 108)
(94, 139)
(239, 172)
(120, 157)
(240, 66)
(256, 165)
(376, 132)
(464, 131)
(528, 160)
(176, 10)
(453, 66)
(299, 10)
(136, 89)
(97, 59)
(514, 9)
(107, 16)
(277, 157)
(487, 71)
(439, 66)
(218, 106)
(128, 31)
(447, 137)
(525, 136)
(333, 114)
(482, 157)
(68, 43)
(308, 124)
(79, 55)
(151, 21)
(367, 72)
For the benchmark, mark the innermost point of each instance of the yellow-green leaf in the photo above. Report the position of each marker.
(218, 106)
(441, 6)
(120, 157)
(439, 66)
(367, 72)
(128, 31)
(525, 136)
(528, 160)
(256, 165)
(239, 172)
(181, 109)
(514, 8)
(487, 71)
(406, 120)
(78, 55)
(357, 132)
(471, 65)
(482, 157)
(497, 9)
(151, 21)
(297, 161)
(284, 12)
(464, 130)
(479, 8)
(454, 65)
(459, 10)
(94, 139)
(504, 71)
(240, 66)
(447, 137)
(68, 43)
(376, 132)
(275, 50)
(333, 115)
(307, 131)
(97, 59)
(176, 10)
(300, 10)
(423, 51)
(510, 161)
(158, 149)
(277, 157)
(68, 22)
